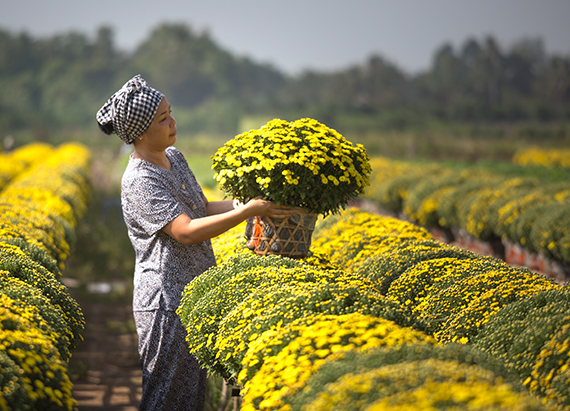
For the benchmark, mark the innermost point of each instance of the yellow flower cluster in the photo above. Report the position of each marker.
(414, 376)
(536, 156)
(316, 338)
(429, 385)
(350, 239)
(230, 243)
(17, 161)
(301, 163)
(40, 323)
(35, 372)
(280, 305)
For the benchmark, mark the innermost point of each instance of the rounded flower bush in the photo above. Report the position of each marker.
(26, 295)
(363, 378)
(352, 237)
(205, 303)
(466, 323)
(277, 306)
(298, 350)
(301, 163)
(430, 384)
(34, 376)
(20, 266)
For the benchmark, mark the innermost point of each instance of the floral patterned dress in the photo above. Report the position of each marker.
(151, 197)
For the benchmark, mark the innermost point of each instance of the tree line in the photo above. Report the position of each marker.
(61, 81)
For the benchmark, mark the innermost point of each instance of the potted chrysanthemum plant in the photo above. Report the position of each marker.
(302, 164)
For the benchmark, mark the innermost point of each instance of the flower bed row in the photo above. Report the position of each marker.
(40, 322)
(407, 322)
(488, 206)
(15, 162)
(553, 157)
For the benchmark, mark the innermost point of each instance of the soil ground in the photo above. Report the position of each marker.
(104, 368)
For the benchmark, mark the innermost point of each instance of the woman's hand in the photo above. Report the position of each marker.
(265, 208)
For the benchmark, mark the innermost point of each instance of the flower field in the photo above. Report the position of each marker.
(505, 210)
(379, 316)
(44, 192)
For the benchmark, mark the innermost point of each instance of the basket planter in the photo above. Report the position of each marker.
(290, 238)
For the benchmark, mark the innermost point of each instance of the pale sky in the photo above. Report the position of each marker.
(322, 35)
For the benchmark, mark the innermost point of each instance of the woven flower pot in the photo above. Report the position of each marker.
(290, 238)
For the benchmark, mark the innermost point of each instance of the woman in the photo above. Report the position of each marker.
(170, 224)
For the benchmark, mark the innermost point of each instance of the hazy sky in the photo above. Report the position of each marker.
(319, 34)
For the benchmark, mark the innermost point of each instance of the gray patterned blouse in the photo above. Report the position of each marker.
(151, 197)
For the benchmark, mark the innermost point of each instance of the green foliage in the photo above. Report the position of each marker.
(215, 117)
(60, 81)
(519, 331)
(35, 363)
(549, 228)
(20, 266)
(52, 314)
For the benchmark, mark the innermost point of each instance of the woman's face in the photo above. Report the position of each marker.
(162, 131)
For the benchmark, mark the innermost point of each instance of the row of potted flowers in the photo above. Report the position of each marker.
(489, 206)
(407, 321)
(40, 322)
(547, 157)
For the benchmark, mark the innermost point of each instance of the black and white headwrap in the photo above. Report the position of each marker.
(129, 112)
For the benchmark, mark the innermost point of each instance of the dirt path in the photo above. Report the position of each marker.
(104, 368)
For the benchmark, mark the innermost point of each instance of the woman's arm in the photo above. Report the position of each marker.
(192, 231)
(219, 207)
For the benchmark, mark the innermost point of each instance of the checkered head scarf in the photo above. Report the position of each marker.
(130, 111)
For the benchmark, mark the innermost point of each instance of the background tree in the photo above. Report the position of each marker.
(60, 81)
